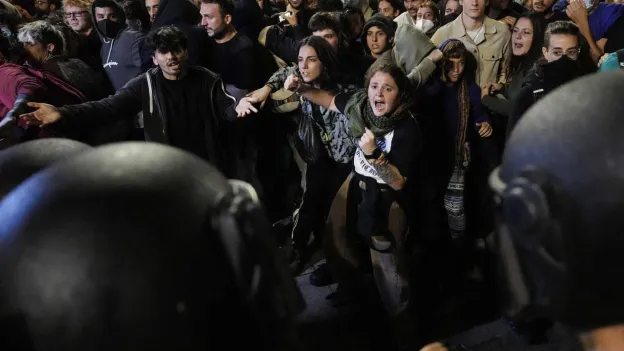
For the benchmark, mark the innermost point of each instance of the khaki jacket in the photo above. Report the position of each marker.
(492, 51)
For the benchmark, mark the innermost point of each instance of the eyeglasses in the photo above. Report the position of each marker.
(75, 14)
(571, 53)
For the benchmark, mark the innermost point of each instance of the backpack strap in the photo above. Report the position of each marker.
(151, 93)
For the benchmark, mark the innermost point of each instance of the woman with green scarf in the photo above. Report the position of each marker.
(370, 206)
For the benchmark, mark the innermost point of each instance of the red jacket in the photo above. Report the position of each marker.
(14, 82)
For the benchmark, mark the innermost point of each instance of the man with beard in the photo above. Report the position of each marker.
(44, 7)
(409, 16)
(152, 8)
(180, 104)
(234, 58)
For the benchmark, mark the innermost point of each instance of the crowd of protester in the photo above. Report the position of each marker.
(368, 128)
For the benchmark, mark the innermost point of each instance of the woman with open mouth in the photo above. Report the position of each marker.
(526, 44)
(367, 220)
(323, 142)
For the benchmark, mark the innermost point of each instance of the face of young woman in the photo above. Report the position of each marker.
(455, 69)
(383, 94)
(522, 37)
(310, 66)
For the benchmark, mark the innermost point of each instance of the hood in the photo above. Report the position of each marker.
(120, 12)
(411, 46)
(387, 25)
(171, 12)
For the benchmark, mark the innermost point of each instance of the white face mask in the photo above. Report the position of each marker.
(424, 25)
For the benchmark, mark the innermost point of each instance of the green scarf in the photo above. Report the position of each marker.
(360, 115)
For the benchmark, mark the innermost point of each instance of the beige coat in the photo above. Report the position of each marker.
(492, 51)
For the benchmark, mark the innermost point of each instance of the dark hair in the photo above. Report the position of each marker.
(396, 5)
(325, 20)
(135, 10)
(434, 9)
(455, 49)
(326, 55)
(524, 63)
(105, 3)
(443, 7)
(167, 39)
(226, 7)
(560, 28)
(329, 5)
(401, 80)
(56, 3)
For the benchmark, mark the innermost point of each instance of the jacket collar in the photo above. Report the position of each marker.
(458, 30)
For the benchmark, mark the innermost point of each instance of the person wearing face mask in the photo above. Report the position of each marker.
(595, 21)
(378, 34)
(121, 47)
(449, 9)
(428, 18)
(559, 66)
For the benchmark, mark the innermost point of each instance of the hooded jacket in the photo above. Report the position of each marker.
(387, 25)
(184, 15)
(121, 55)
(144, 93)
(410, 51)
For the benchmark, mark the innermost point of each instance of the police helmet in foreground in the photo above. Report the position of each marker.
(139, 246)
(560, 193)
(19, 162)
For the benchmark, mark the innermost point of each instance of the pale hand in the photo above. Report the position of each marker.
(510, 21)
(367, 142)
(260, 95)
(292, 19)
(577, 11)
(485, 129)
(292, 83)
(42, 116)
(436, 55)
(245, 107)
(602, 58)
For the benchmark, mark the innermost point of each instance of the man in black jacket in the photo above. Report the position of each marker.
(187, 118)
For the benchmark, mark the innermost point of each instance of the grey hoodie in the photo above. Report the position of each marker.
(121, 56)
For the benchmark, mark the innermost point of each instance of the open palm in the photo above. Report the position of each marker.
(43, 115)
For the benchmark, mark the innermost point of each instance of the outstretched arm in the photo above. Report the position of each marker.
(316, 96)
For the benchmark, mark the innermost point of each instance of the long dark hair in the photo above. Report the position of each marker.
(328, 58)
(525, 62)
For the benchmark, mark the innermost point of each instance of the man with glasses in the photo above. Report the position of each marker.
(78, 17)
(559, 66)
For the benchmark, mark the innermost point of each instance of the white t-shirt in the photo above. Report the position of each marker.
(363, 167)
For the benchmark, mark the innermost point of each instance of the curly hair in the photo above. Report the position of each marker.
(79, 3)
